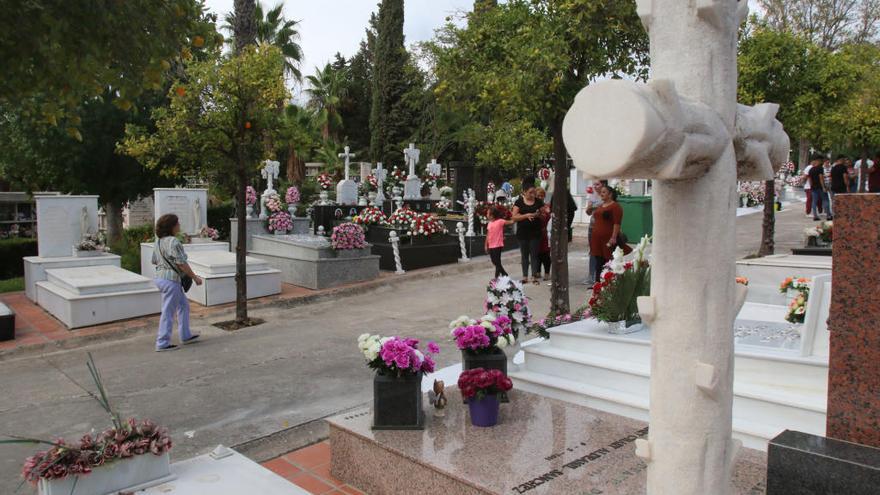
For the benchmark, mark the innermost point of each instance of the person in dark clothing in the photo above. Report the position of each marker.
(544, 254)
(874, 174)
(527, 215)
(839, 179)
(818, 188)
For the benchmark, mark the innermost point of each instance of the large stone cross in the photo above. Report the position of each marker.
(434, 168)
(685, 130)
(412, 158)
(347, 156)
(270, 172)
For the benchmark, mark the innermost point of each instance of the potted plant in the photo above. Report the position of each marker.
(250, 199)
(505, 297)
(279, 223)
(797, 307)
(292, 196)
(90, 245)
(614, 295)
(397, 385)
(482, 342)
(481, 388)
(129, 456)
(348, 241)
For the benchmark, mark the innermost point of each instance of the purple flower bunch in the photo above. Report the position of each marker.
(63, 459)
(280, 221)
(250, 197)
(398, 355)
(292, 196)
(471, 337)
(348, 236)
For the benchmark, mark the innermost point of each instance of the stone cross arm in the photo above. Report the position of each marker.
(623, 129)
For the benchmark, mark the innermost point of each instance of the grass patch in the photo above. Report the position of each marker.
(12, 285)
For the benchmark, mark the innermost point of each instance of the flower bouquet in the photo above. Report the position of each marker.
(370, 216)
(131, 454)
(621, 283)
(797, 308)
(280, 222)
(505, 297)
(274, 204)
(443, 206)
(397, 385)
(480, 388)
(347, 236)
(325, 183)
(486, 336)
(427, 225)
(403, 218)
(209, 233)
(292, 196)
(826, 231)
(542, 326)
(250, 199)
(91, 245)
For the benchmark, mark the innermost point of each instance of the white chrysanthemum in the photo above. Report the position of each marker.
(461, 321)
(492, 298)
(502, 342)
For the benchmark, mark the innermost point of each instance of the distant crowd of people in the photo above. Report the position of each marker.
(823, 179)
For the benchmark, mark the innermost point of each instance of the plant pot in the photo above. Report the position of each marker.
(624, 327)
(121, 475)
(812, 241)
(323, 198)
(292, 210)
(484, 412)
(397, 402)
(87, 254)
(249, 211)
(496, 360)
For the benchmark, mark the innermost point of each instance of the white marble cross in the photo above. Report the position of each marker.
(434, 168)
(347, 156)
(270, 172)
(412, 158)
(685, 130)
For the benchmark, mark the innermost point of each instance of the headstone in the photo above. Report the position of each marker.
(435, 169)
(380, 174)
(190, 206)
(685, 130)
(270, 172)
(140, 212)
(412, 188)
(346, 190)
(854, 363)
(366, 170)
(62, 221)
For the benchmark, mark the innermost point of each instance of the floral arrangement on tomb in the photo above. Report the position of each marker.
(369, 185)
(92, 242)
(742, 280)
(444, 206)
(250, 196)
(505, 297)
(348, 236)
(403, 218)
(446, 193)
(490, 188)
(478, 383)
(751, 193)
(397, 355)
(395, 178)
(542, 326)
(280, 221)
(544, 173)
(292, 196)
(430, 180)
(797, 308)
(274, 203)
(826, 231)
(426, 225)
(209, 233)
(484, 336)
(482, 211)
(123, 440)
(370, 216)
(324, 181)
(621, 282)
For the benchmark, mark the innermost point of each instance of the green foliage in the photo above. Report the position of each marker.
(219, 215)
(388, 115)
(274, 29)
(219, 118)
(326, 90)
(12, 285)
(11, 252)
(357, 102)
(58, 53)
(856, 122)
(129, 246)
(513, 146)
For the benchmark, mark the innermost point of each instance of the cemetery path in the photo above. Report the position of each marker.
(301, 365)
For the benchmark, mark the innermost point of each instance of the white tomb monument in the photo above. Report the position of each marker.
(434, 169)
(381, 174)
(217, 268)
(346, 189)
(270, 172)
(190, 206)
(685, 130)
(412, 188)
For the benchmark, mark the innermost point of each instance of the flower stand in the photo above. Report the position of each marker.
(484, 412)
(397, 402)
(128, 475)
(497, 360)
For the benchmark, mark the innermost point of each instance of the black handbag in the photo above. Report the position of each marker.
(185, 280)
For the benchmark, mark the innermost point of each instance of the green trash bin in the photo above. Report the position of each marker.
(637, 217)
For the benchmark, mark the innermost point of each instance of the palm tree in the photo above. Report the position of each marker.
(272, 28)
(326, 91)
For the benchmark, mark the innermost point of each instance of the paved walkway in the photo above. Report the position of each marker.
(259, 382)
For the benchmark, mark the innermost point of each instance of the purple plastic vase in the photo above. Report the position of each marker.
(484, 412)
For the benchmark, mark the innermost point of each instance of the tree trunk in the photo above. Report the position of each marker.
(113, 217)
(296, 167)
(768, 226)
(245, 28)
(803, 153)
(241, 313)
(559, 299)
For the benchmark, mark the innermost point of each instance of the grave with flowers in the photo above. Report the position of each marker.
(425, 240)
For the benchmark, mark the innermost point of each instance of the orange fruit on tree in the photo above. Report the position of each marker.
(247, 125)
(198, 41)
(180, 90)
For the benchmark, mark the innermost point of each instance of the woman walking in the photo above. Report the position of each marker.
(544, 251)
(606, 228)
(171, 266)
(495, 239)
(527, 215)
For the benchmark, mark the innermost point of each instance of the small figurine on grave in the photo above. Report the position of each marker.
(437, 398)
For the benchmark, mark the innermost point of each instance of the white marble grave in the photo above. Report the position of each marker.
(139, 212)
(190, 206)
(148, 269)
(217, 268)
(90, 295)
(412, 187)
(346, 189)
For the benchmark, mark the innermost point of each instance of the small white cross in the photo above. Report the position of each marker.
(347, 156)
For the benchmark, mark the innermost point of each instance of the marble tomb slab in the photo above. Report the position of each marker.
(221, 263)
(92, 280)
(540, 446)
(35, 268)
(148, 269)
(217, 268)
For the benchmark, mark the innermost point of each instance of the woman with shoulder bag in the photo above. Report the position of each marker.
(173, 277)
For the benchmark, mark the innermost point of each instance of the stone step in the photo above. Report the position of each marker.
(77, 310)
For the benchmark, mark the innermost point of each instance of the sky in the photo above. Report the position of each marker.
(330, 26)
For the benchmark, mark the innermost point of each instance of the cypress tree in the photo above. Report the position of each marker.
(388, 115)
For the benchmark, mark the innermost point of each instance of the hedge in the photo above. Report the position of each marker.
(11, 253)
(218, 218)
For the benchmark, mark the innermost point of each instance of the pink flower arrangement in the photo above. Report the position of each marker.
(292, 196)
(324, 181)
(131, 438)
(280, 221)
(370, 216)
(274, 204)
(478, 383)
(250, 197)
(484, 336)
(348, 236)
(397, 355)
(209, 233)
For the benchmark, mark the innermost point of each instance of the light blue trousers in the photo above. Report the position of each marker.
(173, 301)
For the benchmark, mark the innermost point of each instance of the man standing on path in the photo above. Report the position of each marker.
(805, 176)
(818, 190)
(839, 177)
